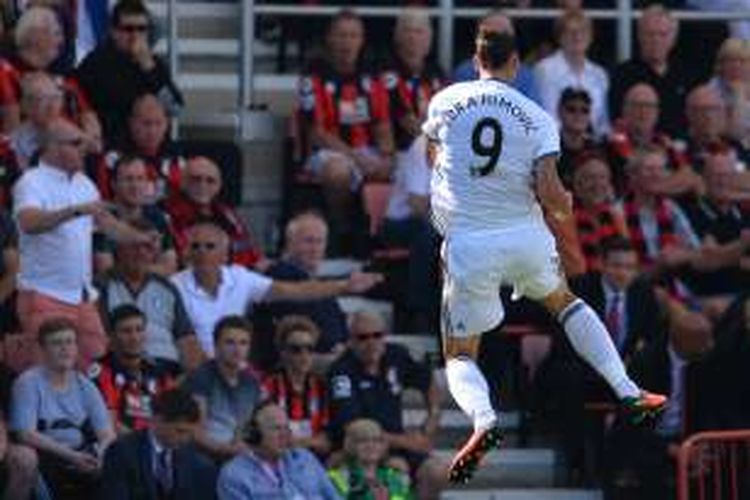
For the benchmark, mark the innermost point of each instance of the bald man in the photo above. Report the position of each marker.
(708, 128)
(57, 209)
(637, 128)
(198, 198)
(368, 380)
(306, 237)
(657, 32)
(146, 137)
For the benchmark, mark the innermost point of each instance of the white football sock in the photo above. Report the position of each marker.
(470, 390)
(591, 340)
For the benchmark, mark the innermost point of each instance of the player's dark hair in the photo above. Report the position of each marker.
(616, 243)
(494, 49)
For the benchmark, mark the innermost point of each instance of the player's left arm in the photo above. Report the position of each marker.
(549, 189)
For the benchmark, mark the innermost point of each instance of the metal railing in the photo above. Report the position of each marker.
(446, 13)
(714, 465)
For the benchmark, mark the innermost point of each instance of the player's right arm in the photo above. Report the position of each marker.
(549, 189)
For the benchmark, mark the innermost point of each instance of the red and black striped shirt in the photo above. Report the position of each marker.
(347, 106)
(307, 410)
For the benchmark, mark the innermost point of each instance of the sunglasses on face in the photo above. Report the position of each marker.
(581, 110)
(203, 178)
(298, 348)
(363, 337)
(133, 28)
(202, 245)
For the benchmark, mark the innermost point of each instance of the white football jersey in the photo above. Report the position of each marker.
(490, 136)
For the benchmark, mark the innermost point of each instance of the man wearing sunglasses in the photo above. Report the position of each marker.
(211, 289)
(637, 128)
(123, 67)
(57, 209)
(198, 197)
(368, 380)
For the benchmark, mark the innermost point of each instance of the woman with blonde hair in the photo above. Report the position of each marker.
(364, 475)
(295, 388)
(732, 82)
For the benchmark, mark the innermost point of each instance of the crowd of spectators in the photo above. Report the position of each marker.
(655, 154)
(164, 354)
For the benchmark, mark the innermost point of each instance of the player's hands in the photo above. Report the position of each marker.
(360, 282)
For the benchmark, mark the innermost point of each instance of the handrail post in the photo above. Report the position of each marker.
(173, 54)
(246, 60)
(445, 40)
(624, 29)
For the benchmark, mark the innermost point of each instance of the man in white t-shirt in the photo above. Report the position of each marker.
(211, 289)
(494, 154)
(57, 209)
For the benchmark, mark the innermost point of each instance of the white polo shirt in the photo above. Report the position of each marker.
(553, 74)
(57, 262)
(239, 288)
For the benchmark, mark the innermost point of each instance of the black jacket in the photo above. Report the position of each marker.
(642, 309)
(128, 472)
(113, 81)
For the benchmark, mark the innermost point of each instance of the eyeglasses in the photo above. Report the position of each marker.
(203, 178)
(580, 110)
(43, 97)
(369, 439)
(298, 348)
(203, 245)
(643, 104)
(75, 142)
(363, 337)
(133, 28)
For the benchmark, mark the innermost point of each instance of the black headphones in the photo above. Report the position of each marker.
(251, 433)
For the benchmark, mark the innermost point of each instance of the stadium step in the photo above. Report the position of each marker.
(513, 468)
(522, 494)
(455, 419)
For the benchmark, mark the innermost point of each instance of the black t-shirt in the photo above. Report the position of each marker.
(725, 227)
(672, 88)
(355, 394)
(325, 313)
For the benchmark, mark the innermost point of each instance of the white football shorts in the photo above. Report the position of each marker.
(476, 264)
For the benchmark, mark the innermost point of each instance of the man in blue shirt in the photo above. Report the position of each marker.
(271, 468)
